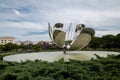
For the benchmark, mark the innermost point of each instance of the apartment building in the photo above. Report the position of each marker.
(27, 42)
(6, 39)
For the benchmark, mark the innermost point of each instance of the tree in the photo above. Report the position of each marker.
(10, 47)
(37, 48)
(117, 41)
(108, 41)
(2, 48)
(95, 43)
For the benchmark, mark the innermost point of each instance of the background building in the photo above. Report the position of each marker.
(6, 39)
(18, 42)
(27, 42)
(23, 42)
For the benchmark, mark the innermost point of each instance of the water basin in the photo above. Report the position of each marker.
(55, 56)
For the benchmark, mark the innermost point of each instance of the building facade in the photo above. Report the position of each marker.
(23, 42)
(6, 39)
(18, 42)
(27, 42)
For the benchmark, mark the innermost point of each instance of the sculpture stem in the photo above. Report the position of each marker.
(64, 50)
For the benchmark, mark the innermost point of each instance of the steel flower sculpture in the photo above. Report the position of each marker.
(80, 39)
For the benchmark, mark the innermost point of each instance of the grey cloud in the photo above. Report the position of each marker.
(102, 15)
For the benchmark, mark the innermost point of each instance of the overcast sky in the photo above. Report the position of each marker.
(28, 19)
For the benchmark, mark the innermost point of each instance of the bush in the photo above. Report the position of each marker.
(94, 69)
